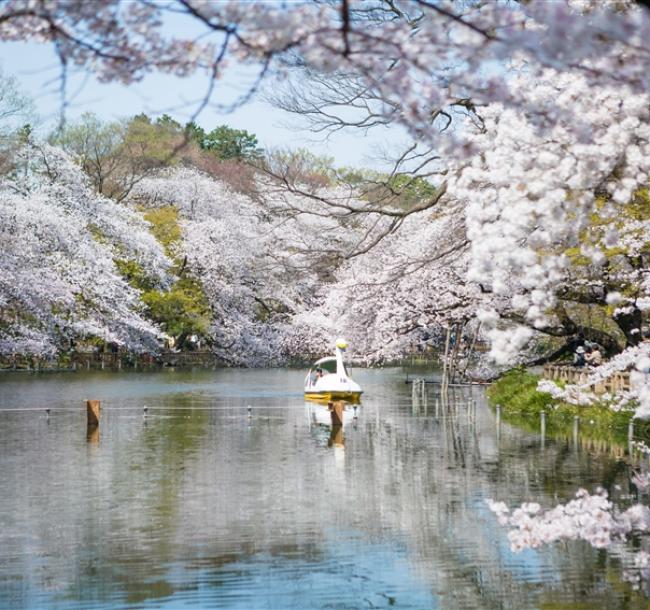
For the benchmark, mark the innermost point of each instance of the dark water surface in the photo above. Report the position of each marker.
(199, 505)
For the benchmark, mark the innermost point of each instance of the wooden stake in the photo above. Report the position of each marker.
(458, 331)
(336, 437)
(92, 435)
(336, 412)
(92, 410)
(445, 380)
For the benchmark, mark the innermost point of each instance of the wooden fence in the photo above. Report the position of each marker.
(580, 375)
(110, 360)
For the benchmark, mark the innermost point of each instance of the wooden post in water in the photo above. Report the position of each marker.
(92, 435)
(445, 364)
(458, 331)
(336, 412)
(92, 410)
(336, 438)
(630, 437)
(498, 409)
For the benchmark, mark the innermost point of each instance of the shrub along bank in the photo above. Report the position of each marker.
(522, 405)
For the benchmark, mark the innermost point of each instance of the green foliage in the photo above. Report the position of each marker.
(25, 133)
(134, 274)
(516, 391)
(165, 227)
(395, 190)
(228, 143)
(195, 133)
(168, 123)
(149, 145)
(181, 311)
(184, 309)
(522, 405)
(412, 190)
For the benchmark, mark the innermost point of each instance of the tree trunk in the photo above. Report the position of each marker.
(630, 323)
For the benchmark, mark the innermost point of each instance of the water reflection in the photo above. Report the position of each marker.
(202, 505)
(92, 434)
(336, 437)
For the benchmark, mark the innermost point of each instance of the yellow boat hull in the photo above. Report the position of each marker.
(352, 397)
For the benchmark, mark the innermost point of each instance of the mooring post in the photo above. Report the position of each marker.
(445, 364)
(336, 412)
(92, 435)
(498, 409)
(336, 438)
(630, 437)
(93, 408)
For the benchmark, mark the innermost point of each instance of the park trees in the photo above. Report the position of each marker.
(116, 155)
(228, 143)
(531, 117)
(525, 115)
(259, 262)
(222, 250)
(59, 280)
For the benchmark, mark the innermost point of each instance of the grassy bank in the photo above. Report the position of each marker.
(522, 405)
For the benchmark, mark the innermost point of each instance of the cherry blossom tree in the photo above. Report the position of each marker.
(590, 517)
(58, 277)
(553, 98)
(260, 262)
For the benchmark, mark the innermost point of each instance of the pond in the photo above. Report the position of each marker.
(201, 505)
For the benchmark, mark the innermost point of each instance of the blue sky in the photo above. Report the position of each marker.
(37, 71)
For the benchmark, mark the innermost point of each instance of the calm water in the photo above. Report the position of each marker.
(201, 506)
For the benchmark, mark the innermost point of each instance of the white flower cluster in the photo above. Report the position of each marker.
(588, 517)
(58, 278)
(572, 394)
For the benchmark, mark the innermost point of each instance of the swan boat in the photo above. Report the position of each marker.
(328, 379)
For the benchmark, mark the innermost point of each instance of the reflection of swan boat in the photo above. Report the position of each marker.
(328, 379)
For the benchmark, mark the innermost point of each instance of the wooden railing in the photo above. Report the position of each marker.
(580, 375)
(110, 360)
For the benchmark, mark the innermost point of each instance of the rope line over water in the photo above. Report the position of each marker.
(153, 408)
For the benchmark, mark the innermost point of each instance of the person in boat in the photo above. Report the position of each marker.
(317, 376)
(594, 357)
